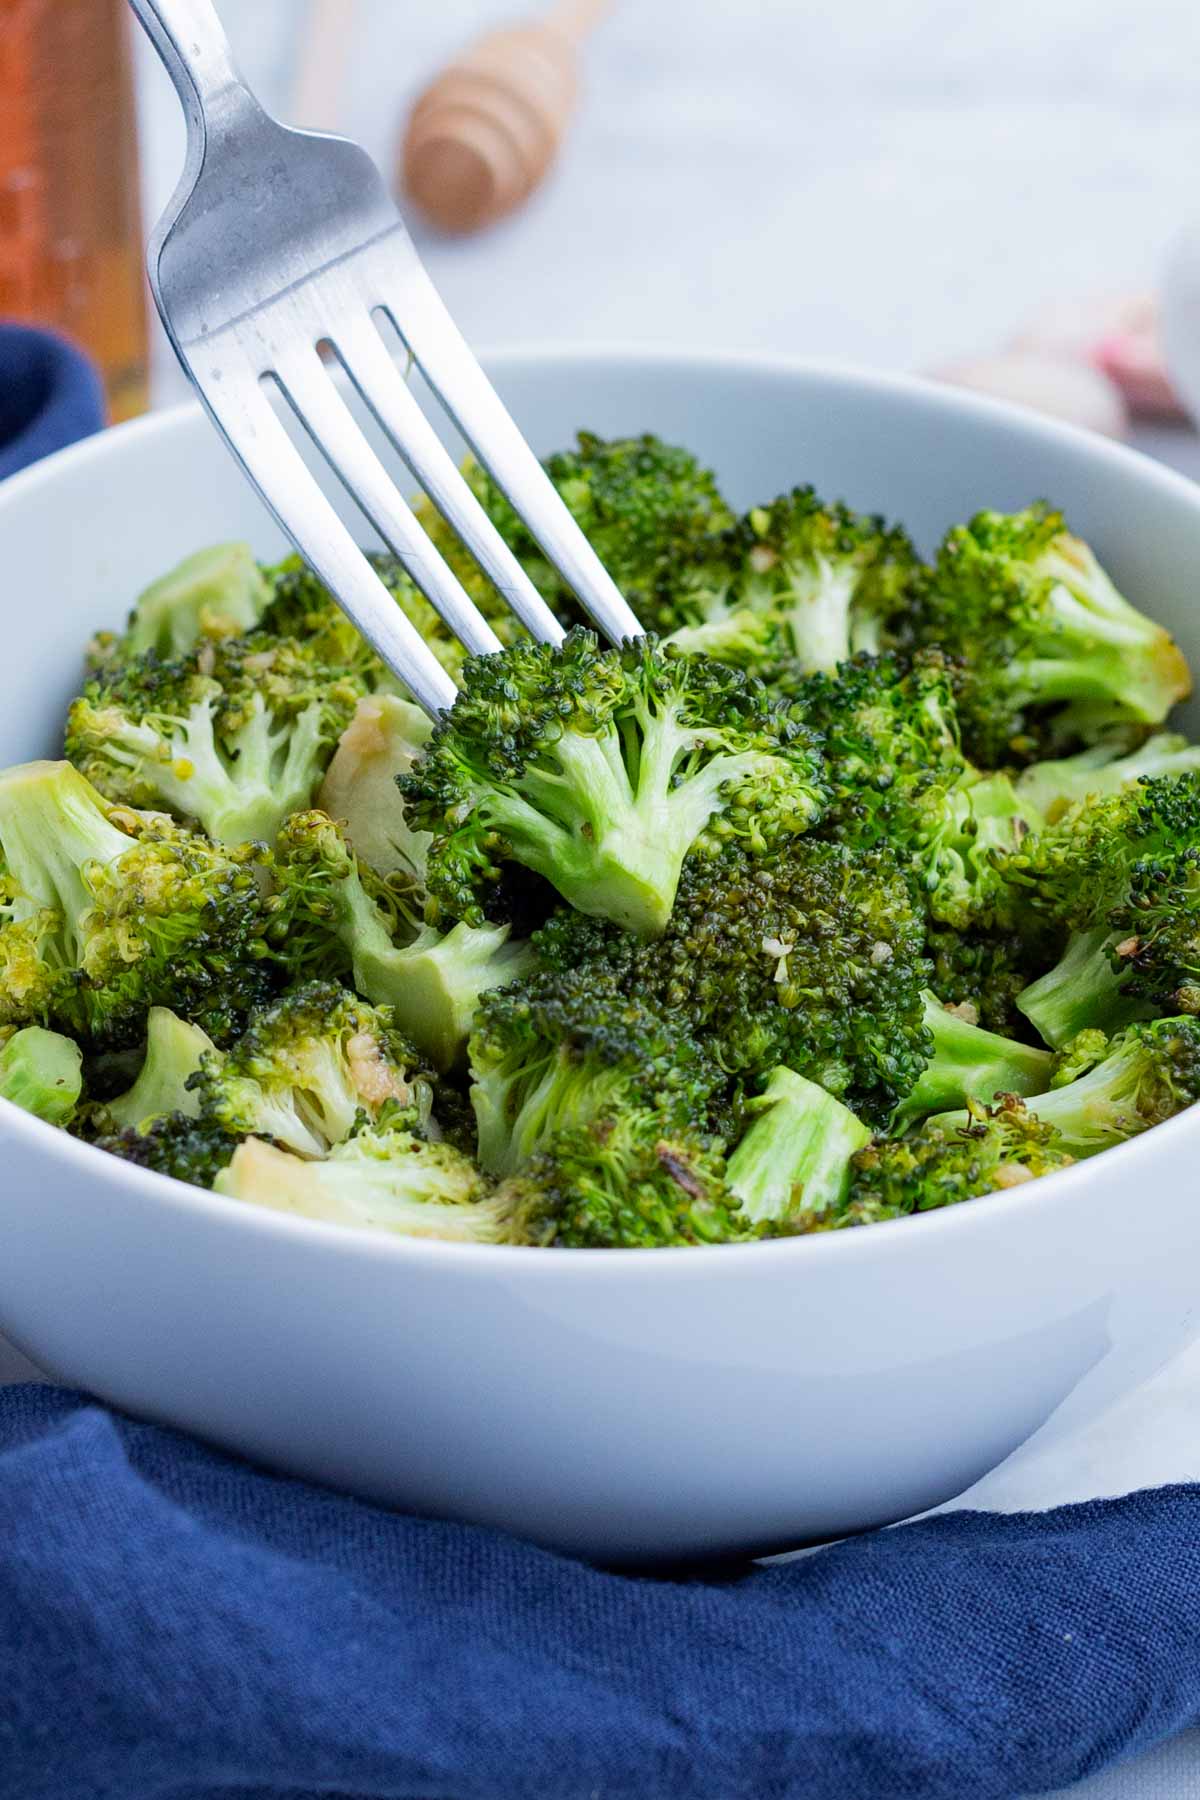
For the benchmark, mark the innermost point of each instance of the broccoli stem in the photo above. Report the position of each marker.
(795, 1158)
(1102, 769)
(174, 1050)
(969, 1063)
(42, 1072)
(219, 592)
(1082, 992)
(433, 984)
(53, 828)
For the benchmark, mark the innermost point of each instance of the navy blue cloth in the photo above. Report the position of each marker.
(177, 1625)
(50, 396)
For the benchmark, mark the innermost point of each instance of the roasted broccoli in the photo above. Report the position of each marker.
(1052, 652)
(1104, 768)
(1150, 1073)
(792, 1167)
(302, 607)
(969, 1063)
(381, 742)
(811, 958)
(330, 913)
(216, 594)
(174, 1053)
(623, 1182)
(388, 1180)
(108, 912)
(600, 770)
(961, 1158)
(562, 1050)
(42, 1072)
(981, 972)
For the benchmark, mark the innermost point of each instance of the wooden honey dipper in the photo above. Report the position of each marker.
(484, 135)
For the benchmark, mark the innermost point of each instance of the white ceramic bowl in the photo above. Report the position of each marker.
(628, 1404)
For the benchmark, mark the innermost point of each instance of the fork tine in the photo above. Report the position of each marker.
(371, 367)
(274, 465)
(307, 386)
(444, 358)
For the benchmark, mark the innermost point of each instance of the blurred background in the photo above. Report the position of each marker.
(914, 187)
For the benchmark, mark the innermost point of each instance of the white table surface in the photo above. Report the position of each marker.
(890, 184)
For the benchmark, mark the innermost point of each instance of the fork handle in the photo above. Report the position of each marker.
(191, 41)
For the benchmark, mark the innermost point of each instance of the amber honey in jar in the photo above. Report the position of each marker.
(71, 249)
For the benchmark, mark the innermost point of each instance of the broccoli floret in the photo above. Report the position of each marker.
(42, 1072)
(811, 958)
(1151, 1072)
(1145, 959)
(175, 1144)
(1052, 652)
(174, 1053)
(235, 738)
(969, 1063)
(559, 1051)
(981, 973)
(974, 1153)
(309, 1068)
(792, 1167)
(1105, 768)
(600, 770)
(381, 742)
(330, 914)
(622, 1183)
(110, 912)
(390, 1180)
(218, 593)
(1077, 1056)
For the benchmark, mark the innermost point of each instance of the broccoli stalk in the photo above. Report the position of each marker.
(216, 593)
(1151, 1072)
(381, 743)
(1104, 768)
(174, 1053)
(793, 1163)
(1083, 991)
(431, 980)
(967, 1064)
(42, 1072)
(600, 770)
(381, 1181)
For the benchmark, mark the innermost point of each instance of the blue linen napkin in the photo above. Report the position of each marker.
(178, 1625)
(50, 396)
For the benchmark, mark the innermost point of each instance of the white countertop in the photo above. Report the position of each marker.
(890, 184)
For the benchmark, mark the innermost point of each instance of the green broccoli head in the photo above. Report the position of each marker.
(110, 912)
(329, 913)
(175, 1144)
(1051, 649)
(981, 972)
(42, 1072)
(310, 1068)
(233, 737)
(600, 770)
(989, 1148)
(622, 1182)
(560, 1050)
(811, 958)
(387, 1179)
(1150, 1072)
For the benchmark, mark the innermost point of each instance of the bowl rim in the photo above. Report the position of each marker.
(684, 1262)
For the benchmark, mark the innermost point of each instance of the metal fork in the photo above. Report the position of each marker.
(281, 244)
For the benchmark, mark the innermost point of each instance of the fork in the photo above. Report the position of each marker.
(282, 254)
